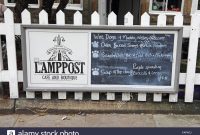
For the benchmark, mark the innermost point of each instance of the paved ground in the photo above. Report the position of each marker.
(100, 120)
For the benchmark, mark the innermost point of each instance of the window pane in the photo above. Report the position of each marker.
(158, 5)
(198, 5)
(174, 5)
(33, 1)
(30, 1)
(57, 1)
(75, 1)
(70, 1)
(11, 1)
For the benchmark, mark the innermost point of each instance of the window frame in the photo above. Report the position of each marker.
(195, 6)
(71, 6)
(6, 3)
(165, 12)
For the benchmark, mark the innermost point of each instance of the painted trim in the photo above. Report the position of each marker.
(165, 12)
(194, 7)
(71, 6)
(29, 5)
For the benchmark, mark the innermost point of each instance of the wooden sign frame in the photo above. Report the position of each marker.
(83, 83)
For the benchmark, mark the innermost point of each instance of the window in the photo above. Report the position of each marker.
(195, 6)
(198, 5)
(32, 3)
(166, 6)
(72, 5)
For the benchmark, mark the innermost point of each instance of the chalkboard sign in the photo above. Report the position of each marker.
(132, 58)
(101, 58)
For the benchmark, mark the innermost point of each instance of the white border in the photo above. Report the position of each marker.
(165, 12)
(71, 6)
(194, 7)
(29, 5)
(103, 87)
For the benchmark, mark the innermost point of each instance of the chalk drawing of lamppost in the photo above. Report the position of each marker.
(59, 52)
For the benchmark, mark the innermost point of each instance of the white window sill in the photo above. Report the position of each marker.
(70, 6)
(197, 11)
(29, 6)
(164, 12)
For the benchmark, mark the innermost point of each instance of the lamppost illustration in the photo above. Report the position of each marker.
(59, 52)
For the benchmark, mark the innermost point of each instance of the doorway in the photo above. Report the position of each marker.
(121, 7)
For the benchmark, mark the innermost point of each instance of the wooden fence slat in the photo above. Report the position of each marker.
(78, 95)
(62, 95)
(110, 96)
(46, 95)
(162, 19)
(11, 53)
(126, 96)
(95, 21)
(145, 21)
(102, 11)
(157, 97)
(178, 21)
(26, 19)
(3, 28)
(1, 57)
(1, 69)
(60, 20)
(43, 19)
(173, 97)
(95, 96)
(78, 21)
(192, 57)
(128, 21)
(112, 21)
(197, 78)
(142, 97)
(182, 78)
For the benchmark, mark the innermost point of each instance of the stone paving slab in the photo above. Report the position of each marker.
(8, 120)
(177, 120)
(120, 120)
(50, 121)
(39, 106)
(24, 106)
(100, 120)
(7, 106)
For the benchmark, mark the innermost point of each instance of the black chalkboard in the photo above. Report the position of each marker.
(131, 58)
